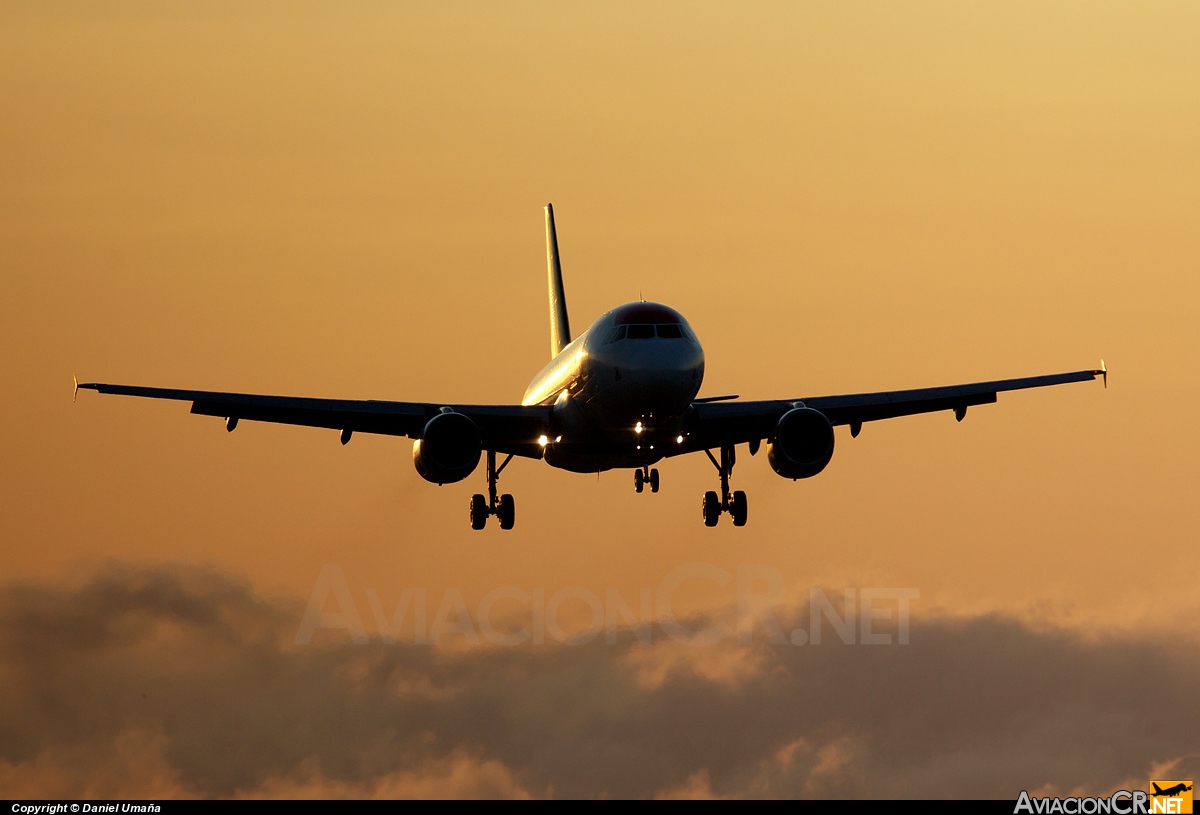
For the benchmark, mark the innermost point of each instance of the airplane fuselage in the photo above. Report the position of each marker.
(619, 389)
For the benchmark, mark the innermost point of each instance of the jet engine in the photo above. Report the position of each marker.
(448, 450)
(802, 443)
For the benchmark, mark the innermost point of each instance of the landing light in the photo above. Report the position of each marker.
(679, 439)
(558, 438)
(638, 428)
(542, 440)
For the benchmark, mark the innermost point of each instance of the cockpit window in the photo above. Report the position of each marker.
(617, 334)
(666, 331)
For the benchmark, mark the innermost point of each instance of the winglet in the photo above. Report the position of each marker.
(75, 393)
(1104, 373)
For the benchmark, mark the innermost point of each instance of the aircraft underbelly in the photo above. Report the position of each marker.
(598, 457)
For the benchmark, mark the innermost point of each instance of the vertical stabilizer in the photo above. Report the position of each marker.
(560, 328)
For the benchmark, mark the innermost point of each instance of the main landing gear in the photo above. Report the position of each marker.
(734, 504)
(504, 508)
(643, 477)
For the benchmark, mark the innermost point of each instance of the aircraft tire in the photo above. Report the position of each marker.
(738, 508)
(711, 507)
(507, 511)
(654, 480)
(638, 481)
(479, 511)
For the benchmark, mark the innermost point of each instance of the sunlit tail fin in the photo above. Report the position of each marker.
(560, 328)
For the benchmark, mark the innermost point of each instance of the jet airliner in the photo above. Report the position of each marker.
(623, 394)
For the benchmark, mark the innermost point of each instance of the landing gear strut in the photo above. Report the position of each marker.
(734, 504)
(645, 476)
(503, 508)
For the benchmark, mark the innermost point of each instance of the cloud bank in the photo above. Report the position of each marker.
(176, 681)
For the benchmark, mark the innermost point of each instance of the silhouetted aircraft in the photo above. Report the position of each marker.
(1169, 792)
(621, 394)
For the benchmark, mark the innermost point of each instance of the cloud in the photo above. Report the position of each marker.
(179, 681)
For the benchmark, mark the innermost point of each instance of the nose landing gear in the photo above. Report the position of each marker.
(643, 477)
(504, 508)
(735, 503)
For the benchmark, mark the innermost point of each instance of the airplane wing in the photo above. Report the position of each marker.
(718, 424)
(503, 428)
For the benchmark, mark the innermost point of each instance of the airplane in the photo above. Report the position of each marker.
(623, 394)
(1169, 792)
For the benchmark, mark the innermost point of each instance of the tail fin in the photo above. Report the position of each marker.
(1157, 788)
(560, 328)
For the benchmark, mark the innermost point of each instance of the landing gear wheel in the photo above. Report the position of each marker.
(711, 507)
(506, 511)
(734, 503)
(479, 511)
(737, 508)
(638, 480)
(483, 506)
(654, 480)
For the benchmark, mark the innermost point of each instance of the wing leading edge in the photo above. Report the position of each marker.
(516, 428)
(724, 423)
(503, 428)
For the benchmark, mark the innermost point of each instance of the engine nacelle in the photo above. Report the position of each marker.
(448, 450)
(802, 443)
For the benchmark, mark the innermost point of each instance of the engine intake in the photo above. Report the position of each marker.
(448, 450)
(802, 443)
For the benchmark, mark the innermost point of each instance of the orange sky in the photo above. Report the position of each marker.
(310, 200)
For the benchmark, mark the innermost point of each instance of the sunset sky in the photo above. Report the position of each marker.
(320, 200)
